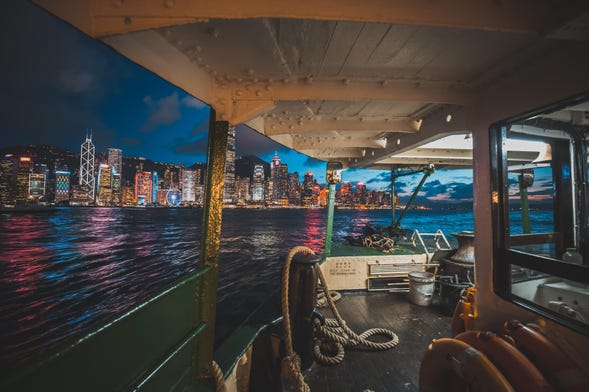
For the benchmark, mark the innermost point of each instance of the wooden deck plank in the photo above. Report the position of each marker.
(392, 370)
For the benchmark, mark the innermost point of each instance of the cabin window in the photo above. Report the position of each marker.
(541, 221)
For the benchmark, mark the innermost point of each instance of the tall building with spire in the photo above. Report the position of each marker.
(229, 190)
(87, 166)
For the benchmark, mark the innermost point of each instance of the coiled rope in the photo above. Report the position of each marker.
(331, 338)
(335, 335)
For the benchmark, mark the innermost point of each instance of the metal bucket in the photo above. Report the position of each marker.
(421, 288)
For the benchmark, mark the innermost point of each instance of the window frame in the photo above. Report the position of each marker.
(503, 256)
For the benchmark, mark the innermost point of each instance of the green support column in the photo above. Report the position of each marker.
(393, 203)
(206, 297)
(330, 209)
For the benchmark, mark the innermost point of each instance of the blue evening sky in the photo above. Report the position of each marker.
(60, 84)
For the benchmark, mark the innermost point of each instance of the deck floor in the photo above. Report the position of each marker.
(392, 370)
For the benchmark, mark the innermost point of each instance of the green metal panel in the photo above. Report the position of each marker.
(206, 295)
(152, 341)
(235, 346)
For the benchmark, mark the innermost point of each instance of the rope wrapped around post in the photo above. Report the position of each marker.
(291, 364)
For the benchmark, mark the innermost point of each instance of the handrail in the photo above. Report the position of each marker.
(437, 236)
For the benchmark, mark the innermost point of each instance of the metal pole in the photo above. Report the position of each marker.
(330, 210)
(206, 295)
(393, 201)
(426, 173)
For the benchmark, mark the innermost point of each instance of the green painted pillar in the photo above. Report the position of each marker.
(330, 210)
(393, 201)
(206, 295)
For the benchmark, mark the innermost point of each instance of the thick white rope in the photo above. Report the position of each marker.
(291, 364)
(335, 334)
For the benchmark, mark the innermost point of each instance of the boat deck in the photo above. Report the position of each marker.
(392, 370)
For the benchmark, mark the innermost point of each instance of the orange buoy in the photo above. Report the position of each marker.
(514, 365)
(558, 368)
(451, 362)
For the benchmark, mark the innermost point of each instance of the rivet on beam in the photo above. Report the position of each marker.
(384, 83)
(238, 92)
(128, 20)
(346, 82)
(308, 80)
(250, 71)
(268, 87)
(258, 93)
(169, 4)
(117, 3)
(213, 32)
(286, 81)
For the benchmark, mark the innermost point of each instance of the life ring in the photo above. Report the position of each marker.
(559, 369)
(451, 362)
(514, 365)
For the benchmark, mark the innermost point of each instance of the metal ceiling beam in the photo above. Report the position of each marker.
(338, 90)
(278, 126)
(106, 17)
(319, 142)
(443, 122)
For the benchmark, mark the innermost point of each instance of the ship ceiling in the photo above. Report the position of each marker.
(362, 82)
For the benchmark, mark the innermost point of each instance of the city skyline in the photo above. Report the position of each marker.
(70, 85)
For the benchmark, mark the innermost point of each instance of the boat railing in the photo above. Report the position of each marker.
(149, 347)
(438, 240)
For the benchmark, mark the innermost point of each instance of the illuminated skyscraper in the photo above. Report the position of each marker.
(23, 171)
(188, 194)
(36, 186)
(229, 189)
(143, 188)
(62, 185)
(258, 184)
(307, 192)
(117, 191)
(154, 186)
(280, 180)
(7, 179)
(115, 159)
(87, 165)
(104, 196)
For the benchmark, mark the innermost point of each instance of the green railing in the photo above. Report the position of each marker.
(148, 348)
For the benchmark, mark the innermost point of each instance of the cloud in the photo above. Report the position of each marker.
(190, 147)
(77, 81)
(192, 102)
(382, 177)
(164, 111)
(250, 142)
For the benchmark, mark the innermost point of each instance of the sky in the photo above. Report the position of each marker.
(59, 85)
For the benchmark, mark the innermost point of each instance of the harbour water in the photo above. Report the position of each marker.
(65, 270)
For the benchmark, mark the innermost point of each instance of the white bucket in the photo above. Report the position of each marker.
(421, 288)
